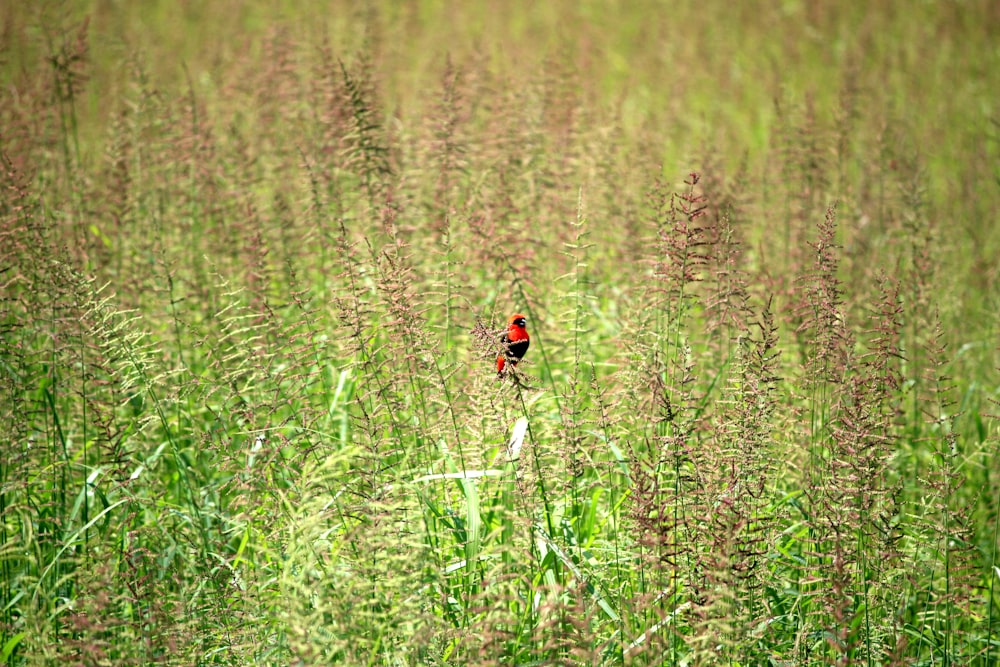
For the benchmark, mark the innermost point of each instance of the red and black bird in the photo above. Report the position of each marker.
(515, 341)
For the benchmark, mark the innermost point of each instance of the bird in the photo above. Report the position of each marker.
(515, 341)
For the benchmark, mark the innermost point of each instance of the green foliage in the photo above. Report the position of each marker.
(254, 259)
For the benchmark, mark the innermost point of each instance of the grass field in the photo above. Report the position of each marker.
(254, 258)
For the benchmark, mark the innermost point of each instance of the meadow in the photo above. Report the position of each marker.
(255, 257)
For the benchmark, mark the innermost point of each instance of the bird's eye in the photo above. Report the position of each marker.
(520, 321)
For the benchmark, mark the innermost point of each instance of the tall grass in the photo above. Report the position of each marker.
(254, 262)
